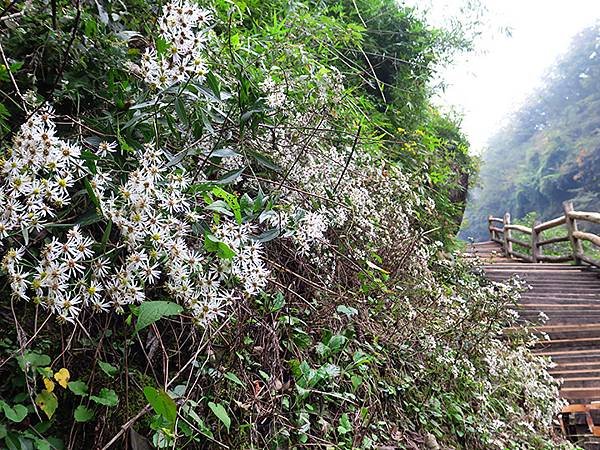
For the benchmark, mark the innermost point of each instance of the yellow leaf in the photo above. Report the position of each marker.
(62, 376)
(49, 384)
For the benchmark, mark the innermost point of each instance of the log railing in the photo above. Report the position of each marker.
(501, 231)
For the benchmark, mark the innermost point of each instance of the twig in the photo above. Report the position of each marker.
(348, 160)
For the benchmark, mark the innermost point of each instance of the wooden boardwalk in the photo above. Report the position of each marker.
(562, 302)
(569, 296)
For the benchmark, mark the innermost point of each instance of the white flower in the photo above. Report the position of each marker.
(104, 148)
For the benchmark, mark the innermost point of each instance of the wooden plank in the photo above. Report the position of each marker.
(571, 223)
(594, 239)
(520, 255)
(520, 228)
(536, 249)
(585, 215)
(583, 257)
(554, 240)
(580, 393)
(555, 259)
(550, 224)
(519, 242)
(554, 372)
(560, 328)
(569, 353)
(569, 341)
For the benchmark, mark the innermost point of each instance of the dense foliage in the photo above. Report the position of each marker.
(550, 150)
(226, 225)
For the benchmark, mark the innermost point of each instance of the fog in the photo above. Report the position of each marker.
(489, 83)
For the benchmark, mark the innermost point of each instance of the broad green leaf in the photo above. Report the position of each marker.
(150, 312)
(42, 444)
(231, 201)
(348, 310)
(83, 414)
(219, 411)
(269, 235)
(78, 387)
(107, 397)
(33, 359)
(212, 244)
(161, 403)
(15, 414)
(108, 369)
(47, 402)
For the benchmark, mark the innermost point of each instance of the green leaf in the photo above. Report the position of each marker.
(212, 244)
(161, 45)
(265, 161)
(150, 312)
(233, 377)
(107, 397)
(230, 176)
(90, 192)
(356, 381)
(15, 414)
(108, 369)
(42, 444)
(231, 201)
(83, 414)
(213, 84)
(78, 387)
(219, 411)
(345, 426)
(348, 310)
(161, 403)
(180, 110)
(336, 342)
(33, 359)
(47, 402)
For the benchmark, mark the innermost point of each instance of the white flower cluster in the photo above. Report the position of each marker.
(155, 216)
(161, 226)
(184, 28)
(369, 198)
(275, 93)
(36, 176)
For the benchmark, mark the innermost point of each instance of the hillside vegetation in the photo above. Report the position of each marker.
(229, 224)
(549, 151)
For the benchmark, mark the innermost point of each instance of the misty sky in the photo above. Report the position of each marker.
(490, 83)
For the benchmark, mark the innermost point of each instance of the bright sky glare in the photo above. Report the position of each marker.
(490, 83)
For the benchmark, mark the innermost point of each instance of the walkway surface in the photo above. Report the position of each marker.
(570, 297)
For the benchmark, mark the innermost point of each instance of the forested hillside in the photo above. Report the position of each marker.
(229, 224)
(549, 151)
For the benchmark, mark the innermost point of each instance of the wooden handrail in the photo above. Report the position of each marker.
(520, 228)
(503, 236)
(587, 216)
(550, 224)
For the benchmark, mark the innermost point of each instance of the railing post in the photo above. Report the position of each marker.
(571, 228)
(492, 233)
(507, 234)
(536, 250)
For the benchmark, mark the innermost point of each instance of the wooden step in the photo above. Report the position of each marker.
(581, 394)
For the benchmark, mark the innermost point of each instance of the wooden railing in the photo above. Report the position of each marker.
(501, 231)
